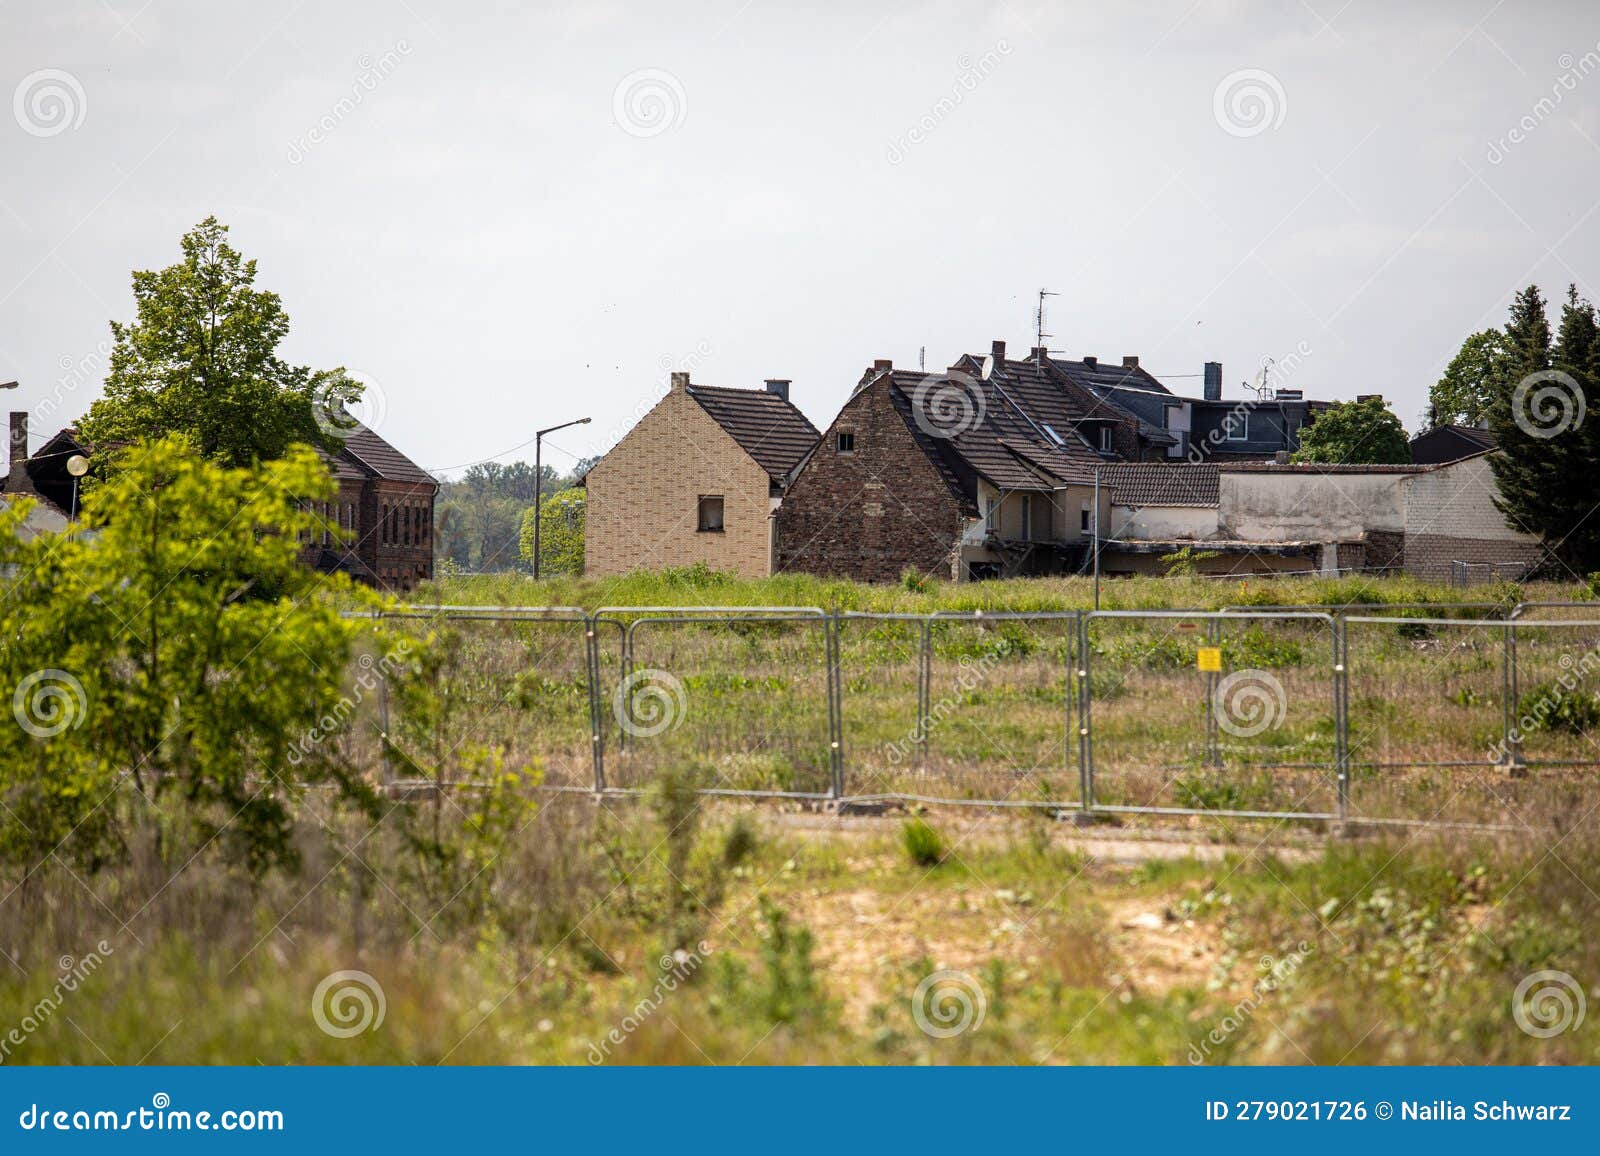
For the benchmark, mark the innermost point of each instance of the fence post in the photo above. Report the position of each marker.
(1341, 713)
(835, 707)
(383, 727)
(1513, 746)
(591, 639)
(924, 690)
(1085, 726)
(1213, 737)
(624, 673)
(1069, 705)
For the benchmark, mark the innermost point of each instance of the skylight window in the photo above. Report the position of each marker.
(1055, 437)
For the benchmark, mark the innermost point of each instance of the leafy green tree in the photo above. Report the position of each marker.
(173, 669)
(1544, 417)
(479, 518)
(1355, 433)
(560, 534)
(1465, 394)
(201, 359)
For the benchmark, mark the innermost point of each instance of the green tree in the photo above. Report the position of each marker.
(1465, 394)
(173, 668)
(201, 359)
(1355, 433)
(479, 518)
(560, 534)
(1544, 416)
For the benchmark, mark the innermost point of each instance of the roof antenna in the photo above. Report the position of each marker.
(1259, 387)
(1038, 319)
(922, 358)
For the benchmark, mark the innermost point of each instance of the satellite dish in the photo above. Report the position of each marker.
(988, 367)
(77, 465)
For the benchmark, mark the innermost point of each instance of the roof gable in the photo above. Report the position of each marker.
(767, 427)
(365, 454)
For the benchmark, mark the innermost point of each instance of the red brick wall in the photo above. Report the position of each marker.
(869, 514)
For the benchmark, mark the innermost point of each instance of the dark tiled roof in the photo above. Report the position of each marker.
(902, 385)
(999, 424)
(1159, 485)
(375, 457)
(1124, 391)
(1451, 443)
(1104, 376)
(767, 427)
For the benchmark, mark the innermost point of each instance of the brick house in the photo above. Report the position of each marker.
(384, 502)
(697, 479)
(980, 471)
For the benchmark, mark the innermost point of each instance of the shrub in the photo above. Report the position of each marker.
(740, 842)
(175, 651)
(1551, 707)
(924, 845)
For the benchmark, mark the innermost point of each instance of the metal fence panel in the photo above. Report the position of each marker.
(1213, 713)
(992, 713)
(745, 697)
(481, 688)
(1427, 717)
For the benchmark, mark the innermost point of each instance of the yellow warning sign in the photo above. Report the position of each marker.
(1209, 659)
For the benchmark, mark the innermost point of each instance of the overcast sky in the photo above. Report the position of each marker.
(505, 216)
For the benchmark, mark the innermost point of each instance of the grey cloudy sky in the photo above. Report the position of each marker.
(508, 215)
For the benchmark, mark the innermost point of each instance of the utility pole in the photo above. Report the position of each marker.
(1097, 537)
(538, 483)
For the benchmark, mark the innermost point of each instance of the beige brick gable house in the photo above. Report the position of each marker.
(698, 479)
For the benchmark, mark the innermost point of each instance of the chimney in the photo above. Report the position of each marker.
(997, 350)
(779, 386)
(18, 481)
(882, 365)
(680, 380)
(1130, 361)
(1213, 376)
(1040, 354)
(1092, 362)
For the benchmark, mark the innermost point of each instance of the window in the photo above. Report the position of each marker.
(711, 513)
(1083, 518)
(1236, 427)
(1027, 517)
(1051, 430)
(990, 505)
(846, 441)
(1105, 439)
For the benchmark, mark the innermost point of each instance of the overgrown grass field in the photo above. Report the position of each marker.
(470, 918)
(664, 932)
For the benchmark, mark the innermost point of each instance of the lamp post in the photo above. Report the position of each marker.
(538, 484)
(77, 466)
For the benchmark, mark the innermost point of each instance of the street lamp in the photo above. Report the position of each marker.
(77, 466)
(538, 484)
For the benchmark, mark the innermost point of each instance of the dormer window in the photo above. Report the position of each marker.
(1106, 442)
